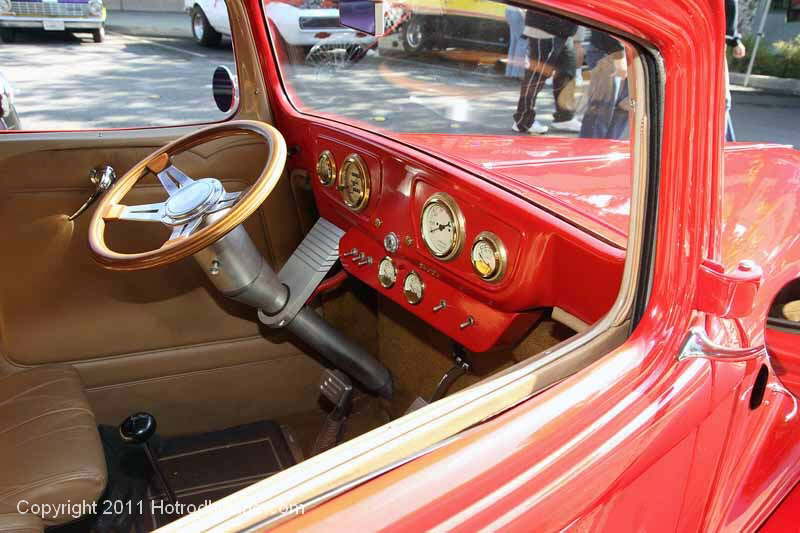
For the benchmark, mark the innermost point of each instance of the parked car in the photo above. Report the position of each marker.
(441, 24)
(301, 23)
(9, 119)
(381, 316)
(75, 16)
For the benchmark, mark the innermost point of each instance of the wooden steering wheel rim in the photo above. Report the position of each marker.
(177, 249)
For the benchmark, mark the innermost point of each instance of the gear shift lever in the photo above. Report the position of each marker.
(137, 429)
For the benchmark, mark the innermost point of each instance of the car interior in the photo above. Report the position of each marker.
(235, 299)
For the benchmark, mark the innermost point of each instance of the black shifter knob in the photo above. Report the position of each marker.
(138, 428)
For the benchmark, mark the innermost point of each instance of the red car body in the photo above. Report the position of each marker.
(640, 440)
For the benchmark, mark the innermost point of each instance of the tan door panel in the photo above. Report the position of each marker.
(131, 330)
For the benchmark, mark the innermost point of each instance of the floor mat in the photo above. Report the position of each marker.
(200, 469)
(204, 468)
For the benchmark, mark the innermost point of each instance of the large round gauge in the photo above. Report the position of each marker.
(442, 226)
(387, 273)
(489, 257)
(413, 288)
(326, 168)
(354, 182)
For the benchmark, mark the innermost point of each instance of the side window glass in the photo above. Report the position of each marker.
(79, 64)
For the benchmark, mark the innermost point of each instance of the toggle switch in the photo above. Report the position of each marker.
(364, 261)
(351, 253)
(467, 323)
(442, 305)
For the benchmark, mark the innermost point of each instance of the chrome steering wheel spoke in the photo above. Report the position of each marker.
(173, 179)
(183, 231)
(228, 200)
(140, 213)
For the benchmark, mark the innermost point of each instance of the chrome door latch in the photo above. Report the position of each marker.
(102, 178)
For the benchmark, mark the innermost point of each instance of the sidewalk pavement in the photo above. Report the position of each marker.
(149, 23)
(768, 83)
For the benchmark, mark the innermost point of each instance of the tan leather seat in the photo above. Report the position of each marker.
(50, 450)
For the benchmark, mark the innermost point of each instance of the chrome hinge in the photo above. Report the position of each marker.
(727, 294)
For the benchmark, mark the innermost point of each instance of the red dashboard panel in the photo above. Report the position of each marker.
(550, 262)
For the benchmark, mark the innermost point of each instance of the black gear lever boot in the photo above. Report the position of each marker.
(137, 429)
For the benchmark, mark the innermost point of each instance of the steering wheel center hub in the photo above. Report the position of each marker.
(193, 201)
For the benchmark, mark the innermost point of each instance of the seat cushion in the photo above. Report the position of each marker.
(20, 523)
(50, 450)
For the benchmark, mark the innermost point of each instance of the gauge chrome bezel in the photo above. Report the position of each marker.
(380, 277)
(326, 155)
(355, 159)
(445, 200)
(500, 254)
(410, 296)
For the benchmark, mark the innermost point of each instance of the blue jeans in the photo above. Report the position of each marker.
(517, 46)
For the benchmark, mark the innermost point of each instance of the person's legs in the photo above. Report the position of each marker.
(541, 53)
(600, 108)
(618, 128)
(564, 83)
(518, 47)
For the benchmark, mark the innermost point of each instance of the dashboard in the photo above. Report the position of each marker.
(472, 260)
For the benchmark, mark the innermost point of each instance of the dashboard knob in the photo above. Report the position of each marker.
(391, 242)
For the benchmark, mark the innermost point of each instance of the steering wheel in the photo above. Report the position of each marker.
(189, 202)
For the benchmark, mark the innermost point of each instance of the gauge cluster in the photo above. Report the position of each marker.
(472, 260)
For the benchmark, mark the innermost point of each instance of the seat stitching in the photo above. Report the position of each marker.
(31, 370)
(37, 387)
(61, 478)
(6, 430)
(49, 433)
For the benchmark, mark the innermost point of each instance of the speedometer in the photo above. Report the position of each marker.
(442, 226)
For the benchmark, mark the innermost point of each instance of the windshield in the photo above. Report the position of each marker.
(517, 95)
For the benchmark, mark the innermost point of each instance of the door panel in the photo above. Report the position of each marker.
(152, 339)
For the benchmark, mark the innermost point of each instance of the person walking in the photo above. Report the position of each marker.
(734, 40)
(517, 45)
(547, 37)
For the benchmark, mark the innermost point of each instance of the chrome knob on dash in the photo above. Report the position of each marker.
(467, 323)
(102, 178)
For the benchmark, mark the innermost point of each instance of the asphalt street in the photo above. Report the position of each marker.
(68, 82)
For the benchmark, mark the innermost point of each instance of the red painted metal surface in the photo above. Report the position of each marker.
(784, 519)
(637, 441)
(551, 262)
(489, 328)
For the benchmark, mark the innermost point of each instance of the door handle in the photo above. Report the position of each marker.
(699, 346)
(102, 178)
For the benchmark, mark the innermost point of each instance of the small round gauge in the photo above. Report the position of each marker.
(489, 257)
(442, 226)
(413, 288)
(354, 182)
(387, 273)
(326, 168)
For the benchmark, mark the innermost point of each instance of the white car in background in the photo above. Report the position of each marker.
(301, 23)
